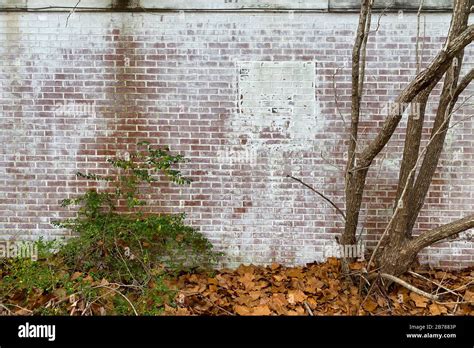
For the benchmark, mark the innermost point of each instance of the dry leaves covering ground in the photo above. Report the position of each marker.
(317, 289)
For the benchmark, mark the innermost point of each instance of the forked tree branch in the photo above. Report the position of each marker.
(430, 237)
(434, 72)
(465, 81)
(433, 152)
(403, 226)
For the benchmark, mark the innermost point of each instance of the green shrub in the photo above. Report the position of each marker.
(131, 246)
(119, 258)
(26, 275)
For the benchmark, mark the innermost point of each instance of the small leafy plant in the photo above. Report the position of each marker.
(120, 258)
(127, 245)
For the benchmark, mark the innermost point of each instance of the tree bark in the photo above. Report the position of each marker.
(448, 99)
(442, 232)
(356, 175)
(409, 211)
(399, 248)
(433, 153)
(351, 182)
(396, 260)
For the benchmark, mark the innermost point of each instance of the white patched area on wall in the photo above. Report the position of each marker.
(282, 88)
(277, 98)
(276, 120)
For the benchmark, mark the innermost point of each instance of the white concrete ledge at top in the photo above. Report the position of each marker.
(304, 5)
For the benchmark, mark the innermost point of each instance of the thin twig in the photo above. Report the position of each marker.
(363, 49)
(308, 309)
(366, 296)
(17, 306)
(331, 164)
(6, 308)
(336, 99)
(435, 283)
(89, 305)
(72, 12)
(380, 18)
(454, 302)
(319, 194)
(459, 288)
(409, 286)
(125, 297)
(417, 45)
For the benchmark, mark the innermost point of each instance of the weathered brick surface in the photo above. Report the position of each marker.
(72, 96)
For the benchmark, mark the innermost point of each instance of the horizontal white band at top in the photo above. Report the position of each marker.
(210, 5)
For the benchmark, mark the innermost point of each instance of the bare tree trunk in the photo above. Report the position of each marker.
(447, 101)
(397, 260)
(399, 248)
(411, 149)
(399, 253)
(433, 153)
(353, 187)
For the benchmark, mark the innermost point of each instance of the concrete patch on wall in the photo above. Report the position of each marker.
(277, 98)
(276, 121)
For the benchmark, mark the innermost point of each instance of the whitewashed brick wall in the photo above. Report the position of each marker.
(71, 96)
